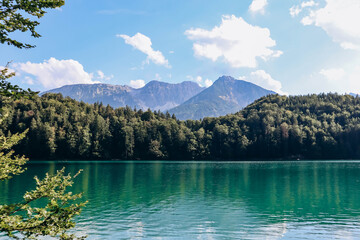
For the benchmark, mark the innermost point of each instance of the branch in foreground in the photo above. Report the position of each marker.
(54, 219)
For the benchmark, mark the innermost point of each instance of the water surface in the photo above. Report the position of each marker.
(210, 200)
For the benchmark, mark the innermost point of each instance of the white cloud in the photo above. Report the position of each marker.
(137, 83)
(296, 10)
(101, 76)
(306, 21)
(333, 74)
(208, 82)
(350, 46)
(143, 44)
(308, 4)
(29, 80)
(236, 41)
(55, 73)
(339, 19)
(263, 79)
(258, 6)
(202, 82)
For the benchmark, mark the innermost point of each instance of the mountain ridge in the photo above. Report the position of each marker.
(227, 95)
(187, 100)
(155, 95)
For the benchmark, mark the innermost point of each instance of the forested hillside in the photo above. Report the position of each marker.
(306, 127)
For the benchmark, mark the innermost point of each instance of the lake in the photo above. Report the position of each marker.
(210, 200)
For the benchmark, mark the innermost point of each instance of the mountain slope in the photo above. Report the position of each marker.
(114, 95)
(163, 96)
(226, 95)
(154, 95)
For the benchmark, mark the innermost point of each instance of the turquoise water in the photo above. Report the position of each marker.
(210, 200)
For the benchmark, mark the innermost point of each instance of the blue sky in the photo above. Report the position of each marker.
(292, 47)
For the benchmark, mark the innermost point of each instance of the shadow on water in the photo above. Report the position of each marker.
(210, 199)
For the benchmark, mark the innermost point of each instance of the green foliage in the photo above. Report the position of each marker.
(54, 219)
(23, 220)
(10, 164)
(273, 127)
(15, 16)
(12, 91)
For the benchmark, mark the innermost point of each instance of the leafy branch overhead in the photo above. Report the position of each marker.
(15, 15)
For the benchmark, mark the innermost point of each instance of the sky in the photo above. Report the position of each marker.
(288, 46)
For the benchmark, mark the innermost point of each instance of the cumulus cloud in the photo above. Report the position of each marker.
(137, 83)
(234, 41)
(296, 10)
(339, 19)
(54, 73)
(258, 6)
(263, 79)
(143, 43)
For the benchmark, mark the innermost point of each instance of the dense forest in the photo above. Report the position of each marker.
(325, 126)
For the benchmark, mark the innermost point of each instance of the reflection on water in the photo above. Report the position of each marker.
(261, 200)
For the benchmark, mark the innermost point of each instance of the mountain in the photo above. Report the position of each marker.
(114, 95)
(163, 96)
(187, 100)
(226, 95)
(154, 95)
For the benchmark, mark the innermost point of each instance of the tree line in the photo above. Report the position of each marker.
(325, 126)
